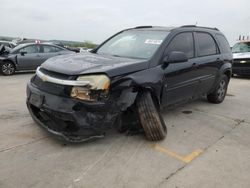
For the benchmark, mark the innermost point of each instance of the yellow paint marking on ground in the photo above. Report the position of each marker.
(186, 159)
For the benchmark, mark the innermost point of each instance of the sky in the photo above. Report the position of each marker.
(96, 20)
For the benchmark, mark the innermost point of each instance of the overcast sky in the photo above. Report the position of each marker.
(95, 20)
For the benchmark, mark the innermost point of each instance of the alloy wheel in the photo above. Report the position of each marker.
(8, 68)
(222, 89)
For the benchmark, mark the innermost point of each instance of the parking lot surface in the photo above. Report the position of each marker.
(207, 146)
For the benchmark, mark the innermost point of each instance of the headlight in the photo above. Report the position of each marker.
(97, 88)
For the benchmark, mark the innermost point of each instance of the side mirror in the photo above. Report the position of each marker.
(23, 53)
(175, 57)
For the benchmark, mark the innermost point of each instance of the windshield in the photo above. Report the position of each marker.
(241, 47)
(136, 44)
(17, 48)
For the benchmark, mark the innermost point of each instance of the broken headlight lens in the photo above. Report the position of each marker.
(97, 88)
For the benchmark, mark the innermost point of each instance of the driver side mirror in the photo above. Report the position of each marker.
(23, 53)
(175, 57)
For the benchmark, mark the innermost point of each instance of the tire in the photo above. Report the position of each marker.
(218, 95)
(7, 68)
(150, 118)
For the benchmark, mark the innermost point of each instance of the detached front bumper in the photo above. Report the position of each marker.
(71, 119)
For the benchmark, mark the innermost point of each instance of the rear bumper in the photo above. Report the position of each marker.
(71, 119)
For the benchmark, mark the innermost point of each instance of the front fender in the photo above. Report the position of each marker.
(150, 79)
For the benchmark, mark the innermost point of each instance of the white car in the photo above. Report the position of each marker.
(241, 56)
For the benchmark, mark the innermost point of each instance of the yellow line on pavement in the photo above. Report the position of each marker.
(186, 159)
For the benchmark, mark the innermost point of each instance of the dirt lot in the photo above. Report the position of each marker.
(207, 146)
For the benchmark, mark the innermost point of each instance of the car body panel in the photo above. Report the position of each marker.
(86, 63)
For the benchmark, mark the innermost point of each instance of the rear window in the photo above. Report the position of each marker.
(224, 45)
(50, 49)
(206, 44)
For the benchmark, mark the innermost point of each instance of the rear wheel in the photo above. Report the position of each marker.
(218, 95)
(150, 118)
(7, 68)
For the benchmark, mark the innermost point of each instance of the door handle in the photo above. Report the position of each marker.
(38, 56)
(195, 65)
(219, 60)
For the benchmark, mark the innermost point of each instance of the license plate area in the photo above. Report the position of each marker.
(36, 99)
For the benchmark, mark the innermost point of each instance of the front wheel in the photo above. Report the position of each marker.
(7, 68)
(218, 95)
(150, 118)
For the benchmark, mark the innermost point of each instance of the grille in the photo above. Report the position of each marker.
(237, 63)
(53, 88)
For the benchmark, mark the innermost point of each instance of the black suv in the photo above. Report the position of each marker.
(126, 80)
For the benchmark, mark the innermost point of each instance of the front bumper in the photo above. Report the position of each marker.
(71, 119)
(241, 67)
(241, 70)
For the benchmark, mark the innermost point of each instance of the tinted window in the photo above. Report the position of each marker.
(184, 43)
(50, 49)
(30, 49)
(224, 45)
(206, 44)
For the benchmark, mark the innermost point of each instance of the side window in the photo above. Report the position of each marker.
(30, 49)
(224, 45)
(206, 44)
(183, 42)
(50, 49)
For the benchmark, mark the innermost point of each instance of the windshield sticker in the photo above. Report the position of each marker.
(153, 41)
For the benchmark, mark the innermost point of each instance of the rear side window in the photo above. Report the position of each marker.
(182, 42)
(206, 44)
(224, 45)
(30, 49)
(50, 49)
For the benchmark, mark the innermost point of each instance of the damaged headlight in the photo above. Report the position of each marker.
(97, 88)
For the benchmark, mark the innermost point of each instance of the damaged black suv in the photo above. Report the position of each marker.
(126, 80)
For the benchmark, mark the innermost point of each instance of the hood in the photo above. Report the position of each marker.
(4, 50)
(85, 63)
(244, 55)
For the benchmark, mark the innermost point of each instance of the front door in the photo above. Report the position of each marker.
(181, 79)
(28, 57)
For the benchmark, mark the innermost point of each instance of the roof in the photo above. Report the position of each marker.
(172, 28)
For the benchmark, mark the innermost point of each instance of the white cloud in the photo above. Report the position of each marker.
(96, 20)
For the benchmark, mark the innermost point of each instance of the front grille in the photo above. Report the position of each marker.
(238, 63)
(53, 88)
(56, 74)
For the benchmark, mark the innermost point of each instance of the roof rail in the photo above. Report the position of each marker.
(144, 26)
(214, 28)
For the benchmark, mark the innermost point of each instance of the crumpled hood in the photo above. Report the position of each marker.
(85, 63)
(245, 55)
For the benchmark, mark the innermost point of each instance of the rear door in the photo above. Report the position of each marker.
(50, 51)
(208, 61)
(28, 57)
(181, 78)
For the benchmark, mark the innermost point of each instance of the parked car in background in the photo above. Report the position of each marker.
(28, 56)
(8, 44)
(241, 55)
(128, 79)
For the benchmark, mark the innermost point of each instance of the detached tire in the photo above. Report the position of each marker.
(150, 118)
(218, 95)
(7, 68)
